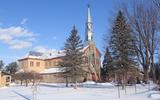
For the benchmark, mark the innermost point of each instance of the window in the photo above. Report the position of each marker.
(53, 63)
(93, 55)
(46, 64)
(31, 63)
(50, 63)
(56, 62)
(38, 64)
(7, 79)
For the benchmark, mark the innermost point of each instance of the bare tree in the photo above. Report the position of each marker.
(19, 77)
(157, 3)
(144, 23)
(28, 77)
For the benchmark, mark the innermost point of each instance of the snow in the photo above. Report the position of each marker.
(155, 96)
(53, 54)
(91, 84)
(106, 84)
(53, 70)
(19, 71)
(30, 56)
(85, 48)
(57, 91)
(46, 55)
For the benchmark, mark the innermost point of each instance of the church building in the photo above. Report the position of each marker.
(47, 64)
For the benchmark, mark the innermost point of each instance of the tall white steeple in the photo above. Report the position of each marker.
(88, 31)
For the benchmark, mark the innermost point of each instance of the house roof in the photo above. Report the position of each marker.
(4, 73)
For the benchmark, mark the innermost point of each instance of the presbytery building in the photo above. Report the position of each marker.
(47, 64)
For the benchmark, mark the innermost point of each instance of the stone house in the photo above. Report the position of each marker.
(5, 79)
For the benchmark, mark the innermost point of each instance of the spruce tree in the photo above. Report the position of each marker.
(12, 68)
(1, 64)
(73, 60)
(107, 69)
(122, 46)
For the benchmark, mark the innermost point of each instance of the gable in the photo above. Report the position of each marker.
(97, 51)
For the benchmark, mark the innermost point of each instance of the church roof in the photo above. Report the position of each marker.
(86, 47)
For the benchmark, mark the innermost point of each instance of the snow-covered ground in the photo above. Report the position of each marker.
(87, 91)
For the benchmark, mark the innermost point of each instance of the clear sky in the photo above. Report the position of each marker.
(27, 25)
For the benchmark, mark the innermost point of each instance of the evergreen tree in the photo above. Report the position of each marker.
(122, 47)
(12, 68)
(73, 60)
(1, 64)
(107, 69)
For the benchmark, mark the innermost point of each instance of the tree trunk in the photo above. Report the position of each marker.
(66, 81)
(159, 80)
(125, 81)
(146, 74)
(75, 86)
(119, 92)
(33, 82)
(21, 82)
(135, 88)
(145, 78)
(153, 71)
(152, 56)
(26, 83)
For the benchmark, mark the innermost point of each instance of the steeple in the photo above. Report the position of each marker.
(88, 32)
(89, 15)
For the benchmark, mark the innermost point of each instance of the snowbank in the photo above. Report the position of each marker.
(13, 84)
(4, 87)
(61, 85)
(155, 96)
(89, 82)
(106, 84)
(92, 84)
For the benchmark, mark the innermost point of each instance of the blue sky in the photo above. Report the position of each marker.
(27, 25)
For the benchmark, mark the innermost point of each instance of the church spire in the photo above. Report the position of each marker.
(89, 15)
(89, 33)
